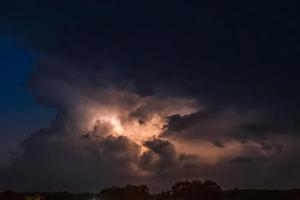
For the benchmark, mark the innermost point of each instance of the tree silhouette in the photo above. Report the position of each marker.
(184, 190)
(129, 192)
(10, 195)
(197, 190)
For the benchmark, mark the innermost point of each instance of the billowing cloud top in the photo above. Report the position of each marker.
(157, 93)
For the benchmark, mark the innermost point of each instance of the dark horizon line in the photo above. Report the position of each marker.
(66, 191)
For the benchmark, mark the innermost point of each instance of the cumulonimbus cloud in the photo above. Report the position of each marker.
(116, 79)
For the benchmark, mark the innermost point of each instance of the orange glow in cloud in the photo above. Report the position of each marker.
(132, 116)
(134, 129)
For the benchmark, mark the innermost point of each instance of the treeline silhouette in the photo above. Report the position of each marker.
(183, 190)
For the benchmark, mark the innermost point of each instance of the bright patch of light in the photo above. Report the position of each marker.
(134, 129)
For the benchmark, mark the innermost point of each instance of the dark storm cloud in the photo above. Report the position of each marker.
(234, 122)
(241, 160)
(51, 162)
(236, 59)
(218, 143)
(213, 124)
(169, 162)
(84, 159)
(232, 53)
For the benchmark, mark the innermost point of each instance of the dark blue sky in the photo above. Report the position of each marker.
(20, 115)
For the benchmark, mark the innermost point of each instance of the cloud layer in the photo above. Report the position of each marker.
(158, 93)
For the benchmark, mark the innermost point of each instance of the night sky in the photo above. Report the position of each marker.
(101, 93)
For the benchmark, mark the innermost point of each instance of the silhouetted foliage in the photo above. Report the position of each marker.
(129, 192)
(184, 190)
(11, 195)
(197, 190)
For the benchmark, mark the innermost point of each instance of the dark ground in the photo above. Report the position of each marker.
(185, 190)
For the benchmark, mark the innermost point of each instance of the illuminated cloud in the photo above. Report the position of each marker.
(111, 135)
(148, 97)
